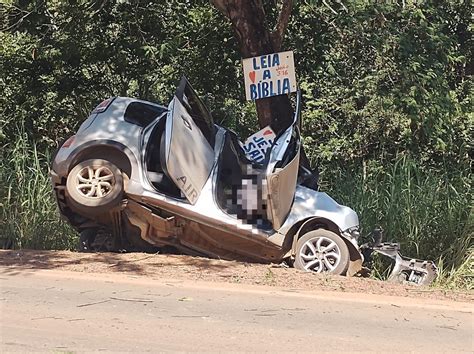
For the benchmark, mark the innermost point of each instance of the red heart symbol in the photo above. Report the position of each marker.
(252, 76)
(267, 132)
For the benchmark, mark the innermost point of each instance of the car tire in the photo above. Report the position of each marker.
(95, 185)
(322, 251)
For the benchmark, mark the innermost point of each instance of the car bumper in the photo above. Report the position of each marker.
(406, 269)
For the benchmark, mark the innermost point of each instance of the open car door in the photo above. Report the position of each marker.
(189, 142)
(282, 171)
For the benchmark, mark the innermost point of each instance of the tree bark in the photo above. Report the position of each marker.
(251, 31)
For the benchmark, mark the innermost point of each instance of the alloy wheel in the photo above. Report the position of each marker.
(95, 182)
(320, 254)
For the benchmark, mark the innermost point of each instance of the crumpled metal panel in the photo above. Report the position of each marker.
(310, 203)
(407, 270)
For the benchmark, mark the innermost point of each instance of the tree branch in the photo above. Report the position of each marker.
(282, 23)
(17, 23)
(342, 5)
(329, 7)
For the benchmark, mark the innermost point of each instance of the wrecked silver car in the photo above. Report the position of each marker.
(168, 176)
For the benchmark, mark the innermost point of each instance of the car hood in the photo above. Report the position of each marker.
(310, 203)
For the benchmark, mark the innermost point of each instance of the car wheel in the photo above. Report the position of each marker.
(95, 185)
(322, 251)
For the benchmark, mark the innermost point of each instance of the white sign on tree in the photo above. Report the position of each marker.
(269, 75)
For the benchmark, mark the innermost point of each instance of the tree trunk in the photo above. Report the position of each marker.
(251, 31)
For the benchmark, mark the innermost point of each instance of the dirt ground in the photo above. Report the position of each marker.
(166, 266)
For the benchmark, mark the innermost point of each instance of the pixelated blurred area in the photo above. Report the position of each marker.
(248, 198)
(242, 186)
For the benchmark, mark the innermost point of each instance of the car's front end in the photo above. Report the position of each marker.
(313, 210)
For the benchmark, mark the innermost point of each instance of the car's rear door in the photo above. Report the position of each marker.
(189, 142)
(282, 172)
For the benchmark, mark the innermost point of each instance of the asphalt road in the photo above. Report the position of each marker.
(55, 311)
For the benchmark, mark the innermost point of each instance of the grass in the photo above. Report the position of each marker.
(269, 277)
(461, 277)
(28, 214)
(428, 212)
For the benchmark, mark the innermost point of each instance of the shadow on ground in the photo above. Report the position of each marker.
(181, 267)
(15, 261)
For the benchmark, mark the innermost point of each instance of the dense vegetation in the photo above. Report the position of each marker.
(387, 103)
